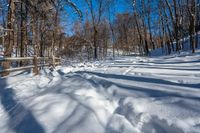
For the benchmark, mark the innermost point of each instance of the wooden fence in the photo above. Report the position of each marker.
(36, 63)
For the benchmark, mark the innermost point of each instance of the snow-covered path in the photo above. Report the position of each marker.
(126, 95)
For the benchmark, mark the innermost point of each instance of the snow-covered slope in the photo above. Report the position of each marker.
(126, 95)
(185, 44)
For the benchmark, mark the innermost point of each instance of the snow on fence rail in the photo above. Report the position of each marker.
(37, 62)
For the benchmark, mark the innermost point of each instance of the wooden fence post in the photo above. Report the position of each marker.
(5, 65)
(35, 63)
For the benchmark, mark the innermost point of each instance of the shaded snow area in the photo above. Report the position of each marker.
(125, 95)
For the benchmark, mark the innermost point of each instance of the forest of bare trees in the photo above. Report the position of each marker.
(36, 27)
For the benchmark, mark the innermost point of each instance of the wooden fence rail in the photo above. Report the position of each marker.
(36, 63)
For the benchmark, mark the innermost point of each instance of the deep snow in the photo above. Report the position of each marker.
(125, 95)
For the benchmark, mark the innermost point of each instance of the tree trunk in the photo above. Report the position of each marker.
(34, 38)
(22, 34)
(192, 14)
(10, 39)
(95, 43)
(192, 34)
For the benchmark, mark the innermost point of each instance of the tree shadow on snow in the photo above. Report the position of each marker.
(176, 62)
(141, 79)
(77, 118)
(21, 119)
(148, 91)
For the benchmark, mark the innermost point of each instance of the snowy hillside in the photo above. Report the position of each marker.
(126, 95)
(185, 44)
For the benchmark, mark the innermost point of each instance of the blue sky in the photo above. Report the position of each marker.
(120, 6)
(67, 19)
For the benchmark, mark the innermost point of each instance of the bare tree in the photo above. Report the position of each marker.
(192, 10)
